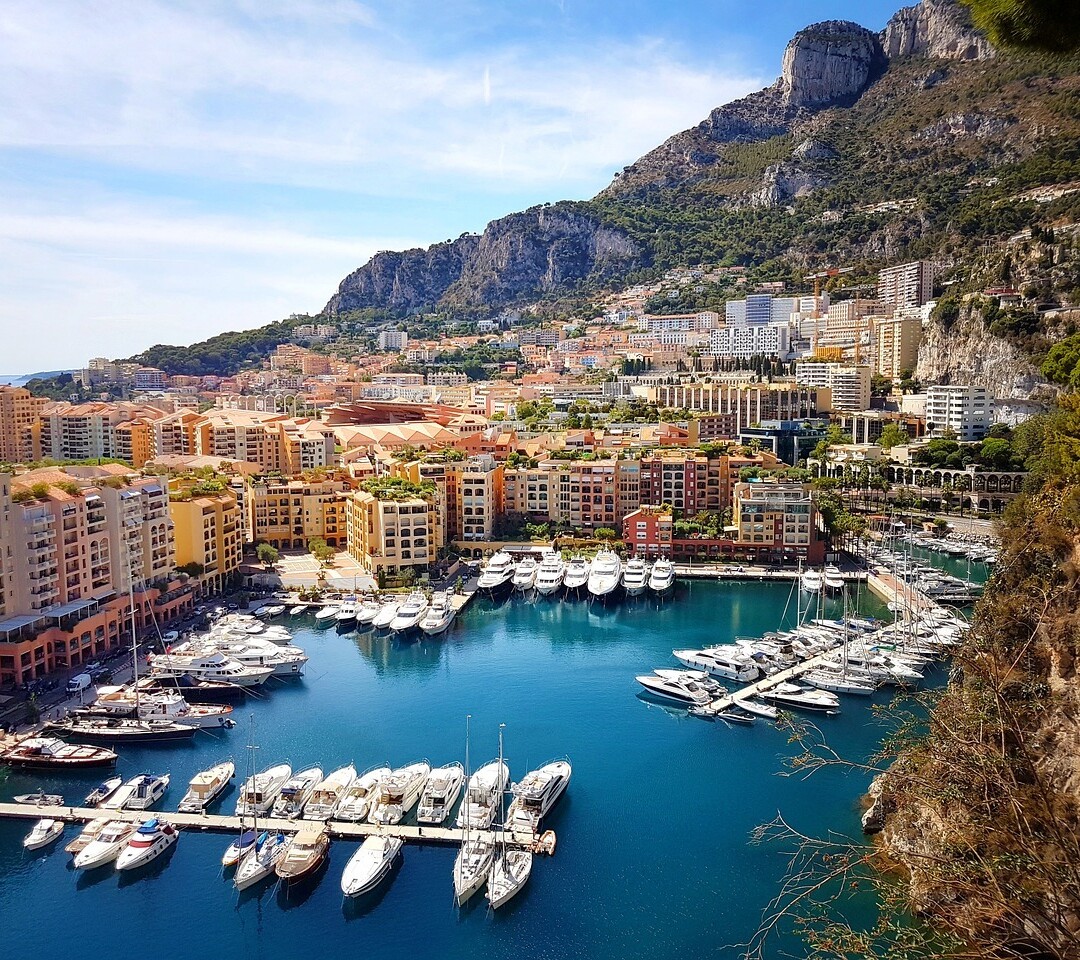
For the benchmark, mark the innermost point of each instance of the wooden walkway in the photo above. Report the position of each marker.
(765, 684)
(217, 823)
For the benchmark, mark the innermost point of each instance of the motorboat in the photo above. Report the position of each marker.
(298, 611)
(662, 576)
(40, 799)
(498, 573)
(206, 786)
(757, 708)
(239, 848)
(812, 581)
(692, 687)
(198, 690)
(324, 799)
(836, 681)
(369, 865)
(472, 866)
(386, 614)
(147, 843)
(577, 574)
(260, 792)
(359, 796)
(138, 793)
(509, 873)
(398, 793)
(409, 613)
(298, 788)
(210, 665)
(304, 853)
(106, 846)
(728, 662)
(832, 579)
(273, 610)
(170, 705)
(605, 574)
(44, 832)
(440, 793)
(550, 573)
(635, 577)
(482, 795)
(260, 860)
(525, 575)
(347, 612)
(284, 660)
(87, 835)
(367, 611)
(118, 730)
(800, 697)
(536, 794)
(439, 615)
(327, 614)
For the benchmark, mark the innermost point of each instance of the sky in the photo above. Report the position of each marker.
(171, 170)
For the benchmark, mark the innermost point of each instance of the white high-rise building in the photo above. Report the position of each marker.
(906, 285)
(850, 385)
(393, 341)
(965, 411)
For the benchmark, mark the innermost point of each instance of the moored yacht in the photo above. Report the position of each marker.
(482, 795)
(727, 662)
(410, 613)
(440, 793)
(139, 793)
(358, 797)
(260, 860)
(87, 835)
(472, 867)
(327, 615)
(832, 579)
(662, 576)
(398, 793)
(212, 665)
(147, 843)
(536, 794)
(525, 575)
(635, 576)
(324, 799)
(550, 573)
(439, 615)
(51, 753)
(294, 794)
(121, 730)
(605, 574)
(800, 697)
(346, 615)
(44, 832)
(509, 873)
(576, 576)
(836, 681)
(305, 851)
(206, 786)
(260, 792)
(105, 847)
(369, 865)
(498, 573)
(812, 581)
(366, 612)
(387, 611)
(692, 687)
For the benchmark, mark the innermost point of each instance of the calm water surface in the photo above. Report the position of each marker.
(653, 853)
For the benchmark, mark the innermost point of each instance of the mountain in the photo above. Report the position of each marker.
(869, 148)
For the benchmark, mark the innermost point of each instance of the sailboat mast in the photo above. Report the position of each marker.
(468, 800)
(502, 796)
(134, 643)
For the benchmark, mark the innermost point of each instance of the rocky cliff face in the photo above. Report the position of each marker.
(526, 255)
(934, 28)
(829, 63)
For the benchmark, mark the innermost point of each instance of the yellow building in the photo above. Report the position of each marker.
(896, 344)
(207, 531)
(287, 514)
(133, 441)
(19, 412)
(393, 526)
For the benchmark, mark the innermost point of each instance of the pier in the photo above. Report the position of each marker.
(765, 684)
(219, 823)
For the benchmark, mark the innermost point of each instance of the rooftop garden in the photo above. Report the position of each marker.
(398, 488)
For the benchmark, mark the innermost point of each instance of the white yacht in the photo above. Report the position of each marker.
(260, 860)
(482, 795)
(497, 574)
(759, 709)
(662, 577)
(727, 662)
(161, 705)
(298, 611)
(605, 574)
(105, 847)
(549, 575)
(367, 611)
(635, 577)
(509, 873)
(536, 794)
(283, 660)
(398, 793)
(440, 793)
(359, 796)
(410, 613)
(259, 793)
(837, 681)
(800, 697)
(44, 832)
(295, 793)
(324, 799)
(576, 576)
(208, 666)
(369, 865)
(693, 687)
(327, 615)
(147, 843)
(139, 793)
(525, 575)
(812, 581)
(832, 579)
(387, 611)
(89, 833)
(346, 612)
(206, 786)
(438, 617)
(472, 867)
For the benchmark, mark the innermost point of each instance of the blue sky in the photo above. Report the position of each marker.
(169, 170)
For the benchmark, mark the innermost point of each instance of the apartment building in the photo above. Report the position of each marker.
(849, 386)
(692, 482)
(760, 308)
(288, 513)
(85, 431)
(479, 501)
(907, 285)
(175, 433)
(746, 404)
(896, 344)
(393, 529)
(393, 341)
(133, 441)
(207, 531)
(756, 340)
(19, 412)
(964, 411)
(778, 521)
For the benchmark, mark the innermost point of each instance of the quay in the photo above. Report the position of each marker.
(218, 823)
(765, 684)
(713, 571)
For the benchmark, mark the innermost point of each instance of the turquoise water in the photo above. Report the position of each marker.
(653, 853)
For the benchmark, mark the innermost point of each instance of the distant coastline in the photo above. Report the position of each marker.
(21, 379)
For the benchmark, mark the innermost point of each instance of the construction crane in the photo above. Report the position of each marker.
(825, 275)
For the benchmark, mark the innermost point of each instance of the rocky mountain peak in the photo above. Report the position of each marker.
(830, 62)
(934, 28)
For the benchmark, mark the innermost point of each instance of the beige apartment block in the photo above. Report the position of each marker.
(19, 412)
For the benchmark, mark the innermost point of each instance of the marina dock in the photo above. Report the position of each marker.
(765, 684)
(218, 823)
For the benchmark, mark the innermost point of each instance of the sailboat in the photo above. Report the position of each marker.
(511, 869)
(246, 840)
(473, 862)
(259, 858)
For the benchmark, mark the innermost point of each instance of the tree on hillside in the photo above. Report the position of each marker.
(892, 435)
(1047, 25)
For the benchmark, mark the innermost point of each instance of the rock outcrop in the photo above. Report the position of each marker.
(934, 28)
(829, 63)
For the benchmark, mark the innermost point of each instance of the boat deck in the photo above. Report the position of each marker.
(766, 683)
(218, 823)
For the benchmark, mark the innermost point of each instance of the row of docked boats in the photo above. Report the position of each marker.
(416, 613)
(828, 579)
(600, 577)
